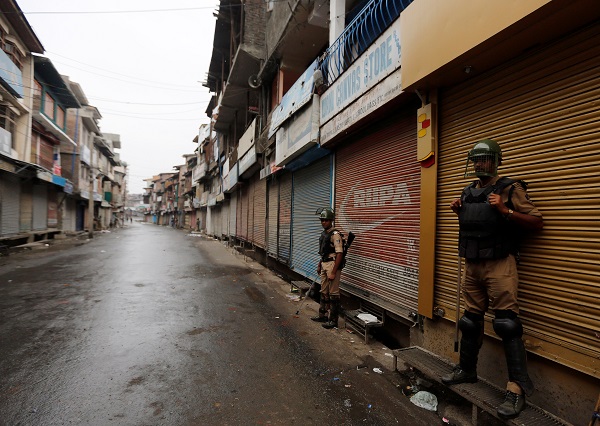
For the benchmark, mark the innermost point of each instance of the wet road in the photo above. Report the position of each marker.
(149, 326)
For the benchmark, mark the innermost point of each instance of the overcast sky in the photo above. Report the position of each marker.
(141, 63)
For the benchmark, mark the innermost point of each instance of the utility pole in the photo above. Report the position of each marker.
(91, 206)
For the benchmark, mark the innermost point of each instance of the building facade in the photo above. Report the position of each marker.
(314, 108)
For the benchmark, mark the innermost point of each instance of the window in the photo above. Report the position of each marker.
(14, 54)
(60, 117)
(37, 89)
(7, 119)
(49, 106)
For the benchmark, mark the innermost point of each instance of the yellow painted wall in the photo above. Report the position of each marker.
(434, 32)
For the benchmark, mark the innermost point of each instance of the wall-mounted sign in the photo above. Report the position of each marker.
(295, 98)
(372, 67)
(381, 94)
(298, 134)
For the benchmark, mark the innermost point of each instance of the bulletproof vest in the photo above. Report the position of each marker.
(325, 245)
(484, 233)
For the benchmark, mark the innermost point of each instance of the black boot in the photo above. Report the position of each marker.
(322, 311)
(516, 361)
(471, 326)
(508, 326)
(333, 313)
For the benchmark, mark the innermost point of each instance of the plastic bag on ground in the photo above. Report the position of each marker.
(425, 400)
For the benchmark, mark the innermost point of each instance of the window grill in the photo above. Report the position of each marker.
(363, 30)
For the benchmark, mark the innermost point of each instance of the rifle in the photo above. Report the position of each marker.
(347, 246)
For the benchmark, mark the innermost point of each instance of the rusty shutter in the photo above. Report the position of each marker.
(377, 198)
(273, 213)
(260, 210)
(285, 217)
(543, 110)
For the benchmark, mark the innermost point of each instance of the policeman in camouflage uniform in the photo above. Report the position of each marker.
(493, 212)
(331, 251)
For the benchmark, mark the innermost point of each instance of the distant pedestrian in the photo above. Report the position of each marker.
(198, 224)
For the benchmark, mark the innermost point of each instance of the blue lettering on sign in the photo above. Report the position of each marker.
(378, 60)
(327, 107)
(349, 85)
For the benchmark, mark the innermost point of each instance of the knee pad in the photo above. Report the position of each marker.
(471, 324)
(334, 298)
(508, 328)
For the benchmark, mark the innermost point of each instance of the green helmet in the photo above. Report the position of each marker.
(326, 213)
(484, 159)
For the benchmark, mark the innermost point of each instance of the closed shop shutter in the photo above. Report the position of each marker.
(52, 207)
(10, 190)
(243, 205)
(224, 219)
(272, 211)
(210, 221)
(543, 110)
(217, 220)
(312, 190)
(26, 211)
(238, 214)
(285, 218)
(378, 199)
(40, 207)
(260, 210)
(233, 203)
(69, 215)
(251, 189)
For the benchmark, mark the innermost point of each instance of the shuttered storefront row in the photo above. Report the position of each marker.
(543, 110)
(40, 207)
(285, 218)
(260, 211)
(243, 212)
(224, 218)
(251, 185)
(312, 190)
(273, 212)
(377, 198)
(10, 190)
(233, 208)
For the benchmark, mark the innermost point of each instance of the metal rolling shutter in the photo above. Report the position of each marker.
(312, 190)
(10, 190)
(26, 208)
(273, 213)
(251, 190)
(285, 218)
(543, 110)
(260, 210)
(378, 199)
(233, 208)
(224, 218)
(216, 219)
(243, 223)
(40, 207)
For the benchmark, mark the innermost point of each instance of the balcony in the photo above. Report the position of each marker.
(364, 29)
